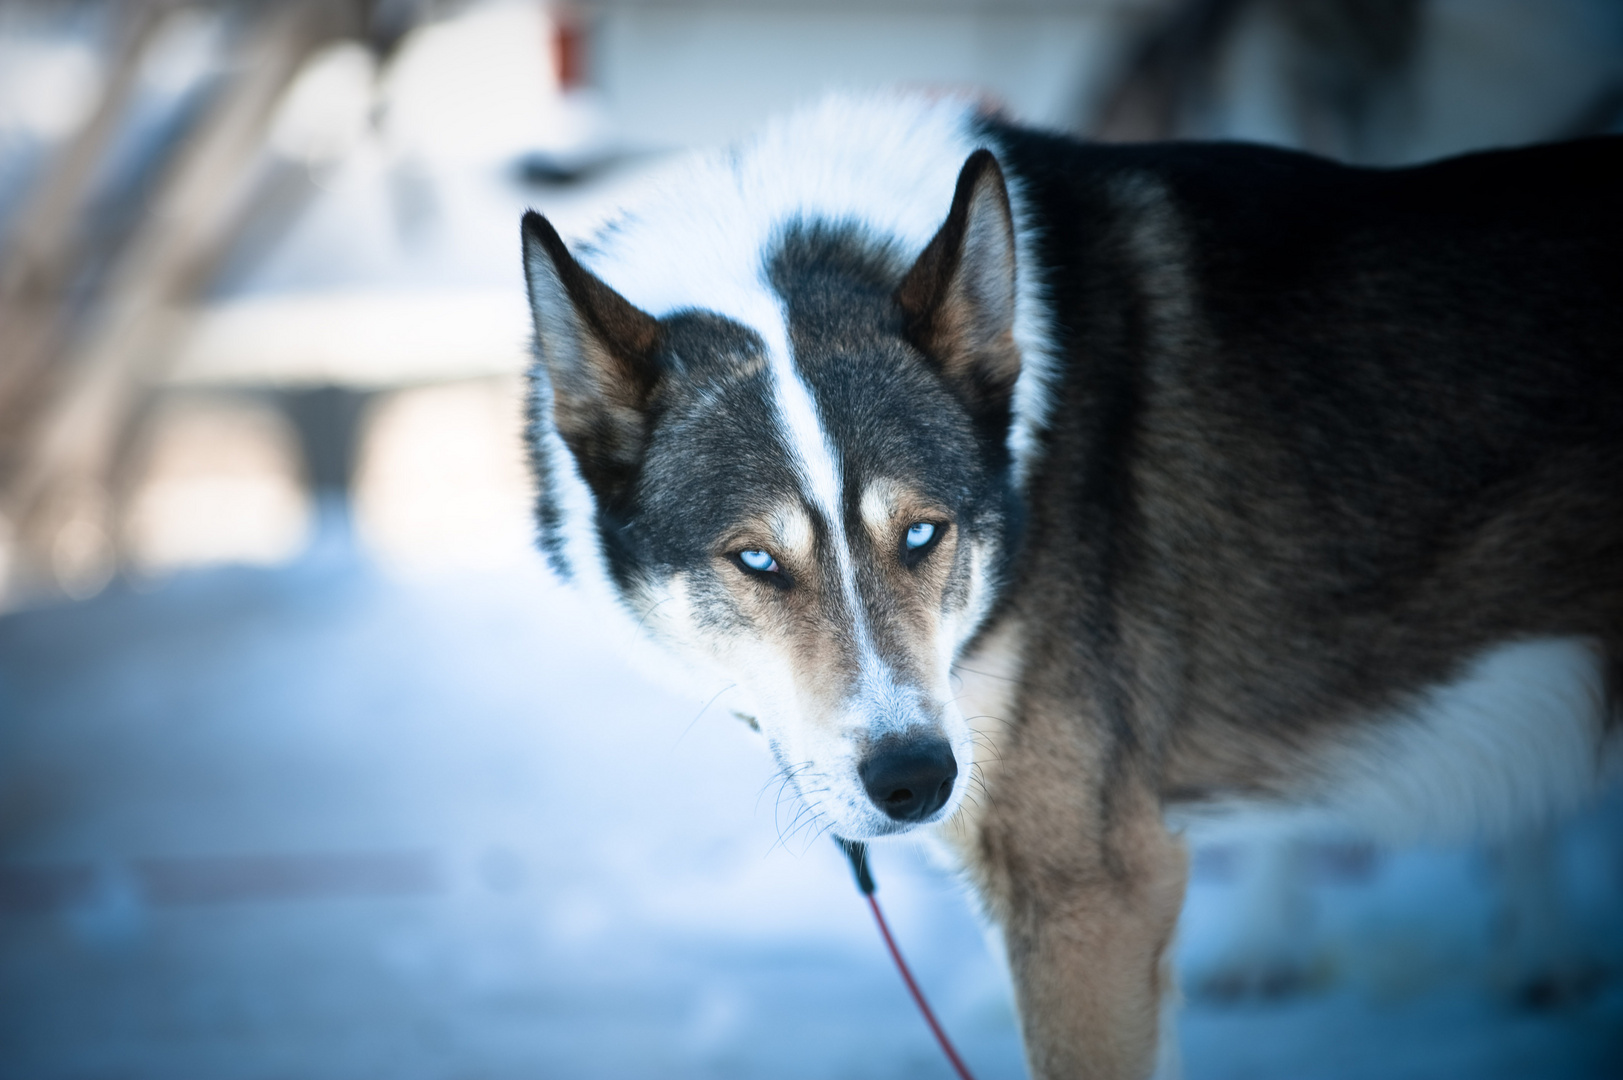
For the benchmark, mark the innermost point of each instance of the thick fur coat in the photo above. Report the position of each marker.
(1035, 490)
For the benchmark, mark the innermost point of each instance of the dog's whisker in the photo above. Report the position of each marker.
(778, 807)
(642, 622)
(784, 834)
(824, 831)
(784, 776)
(703, 709)
(819, 822)
(984, 674)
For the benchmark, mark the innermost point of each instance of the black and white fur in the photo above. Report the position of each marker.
(1251, 480)
(696, 245)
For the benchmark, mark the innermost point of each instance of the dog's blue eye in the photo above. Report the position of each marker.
(919, 535)
(758, 560)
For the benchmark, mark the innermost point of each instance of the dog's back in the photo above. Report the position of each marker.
(1330, 436)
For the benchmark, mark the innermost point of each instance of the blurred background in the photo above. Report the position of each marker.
(306, 766)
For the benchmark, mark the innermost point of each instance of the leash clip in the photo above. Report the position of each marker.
(857, 852)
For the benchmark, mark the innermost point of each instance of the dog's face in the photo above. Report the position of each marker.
(817, 500)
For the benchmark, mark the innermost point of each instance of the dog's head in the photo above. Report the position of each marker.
(807, 486)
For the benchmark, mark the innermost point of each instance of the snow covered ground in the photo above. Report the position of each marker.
(315, 822)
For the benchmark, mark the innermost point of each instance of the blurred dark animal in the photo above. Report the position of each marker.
(1362, 81)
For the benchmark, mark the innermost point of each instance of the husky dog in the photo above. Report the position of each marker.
(1035, 491)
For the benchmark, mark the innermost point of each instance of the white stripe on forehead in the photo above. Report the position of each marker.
(802, 432)
(815, 461)
(818, 465)
(819, 468)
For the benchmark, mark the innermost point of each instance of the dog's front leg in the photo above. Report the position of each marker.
(1087, 883)
(1090, 970)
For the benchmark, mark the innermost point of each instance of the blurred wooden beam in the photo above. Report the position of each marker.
(47, 243)
(68, 409)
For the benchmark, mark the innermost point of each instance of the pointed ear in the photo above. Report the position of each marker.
(958, 300)
(597, 352)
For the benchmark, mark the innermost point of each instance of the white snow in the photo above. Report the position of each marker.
(589, 877)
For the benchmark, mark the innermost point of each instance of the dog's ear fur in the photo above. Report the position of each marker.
(958, 300)
(599, 354)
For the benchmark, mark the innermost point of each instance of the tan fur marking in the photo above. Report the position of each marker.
(915, 617)
(791, 530)
(1088, 900)
(802, 631)
(879, 506)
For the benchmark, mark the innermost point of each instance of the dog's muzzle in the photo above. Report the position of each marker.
(909, 778)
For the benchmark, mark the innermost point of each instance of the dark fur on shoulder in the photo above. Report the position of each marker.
(1330, 431)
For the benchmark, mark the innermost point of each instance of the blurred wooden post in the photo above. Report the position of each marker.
(65, 407)
(48, 243)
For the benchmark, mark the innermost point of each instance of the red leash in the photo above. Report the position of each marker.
(858, 854)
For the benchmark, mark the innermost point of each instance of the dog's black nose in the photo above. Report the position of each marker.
(909, 779)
